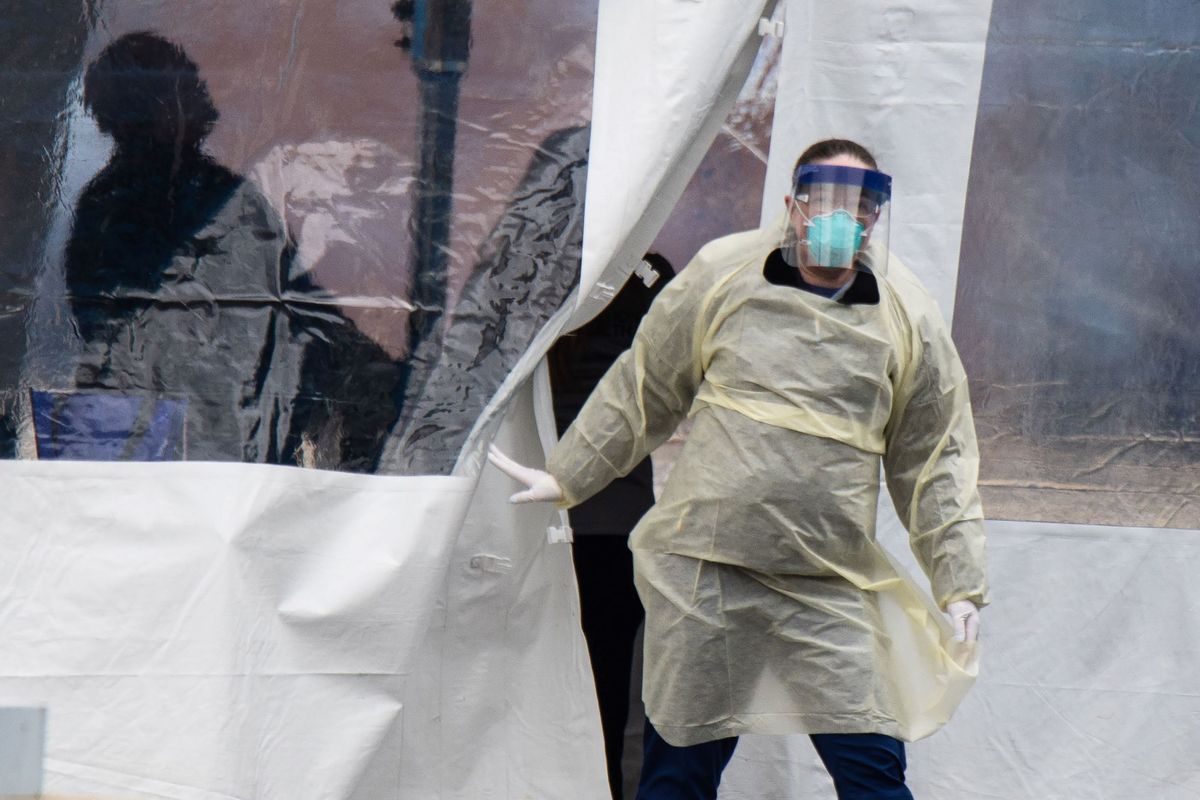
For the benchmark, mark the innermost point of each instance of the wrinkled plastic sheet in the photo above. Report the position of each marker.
(1077, 297)
(312, 235)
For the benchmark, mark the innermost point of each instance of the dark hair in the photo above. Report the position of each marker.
(832, 148)
(143, 87)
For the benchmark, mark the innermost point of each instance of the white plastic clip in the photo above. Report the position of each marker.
(767, 27)
(560, 534)
(646, 272)
(603, 291)
(483, 562)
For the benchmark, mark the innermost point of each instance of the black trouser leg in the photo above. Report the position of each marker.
(682, 773)
(864, 766)
(611, 614)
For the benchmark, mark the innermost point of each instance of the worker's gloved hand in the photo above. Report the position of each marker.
(965, 617)
(541, 486)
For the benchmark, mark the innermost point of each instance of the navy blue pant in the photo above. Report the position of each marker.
(864, 766)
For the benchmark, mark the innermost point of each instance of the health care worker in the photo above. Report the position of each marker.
(807, 356)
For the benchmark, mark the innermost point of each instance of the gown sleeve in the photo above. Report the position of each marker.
(641, 399)
(931, 464)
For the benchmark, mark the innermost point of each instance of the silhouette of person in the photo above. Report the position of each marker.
(197, 344)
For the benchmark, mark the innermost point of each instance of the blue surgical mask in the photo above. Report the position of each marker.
(833, 239)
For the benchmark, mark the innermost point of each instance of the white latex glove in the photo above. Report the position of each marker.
(541, 486)
(965, 617)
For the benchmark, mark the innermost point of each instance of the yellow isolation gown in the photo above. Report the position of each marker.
(770, 608)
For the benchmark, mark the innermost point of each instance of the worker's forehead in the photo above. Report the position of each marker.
(844, 161)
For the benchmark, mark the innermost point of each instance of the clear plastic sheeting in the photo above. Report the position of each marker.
(530, 264)
(40, 48)
(1077, 303)
(283, 235)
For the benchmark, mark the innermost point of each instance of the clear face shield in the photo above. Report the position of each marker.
(837, 219)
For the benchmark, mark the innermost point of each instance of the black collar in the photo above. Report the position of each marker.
(864, 290)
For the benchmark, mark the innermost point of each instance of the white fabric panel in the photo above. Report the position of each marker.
(243, 631)
(902, 79)
(667, 74)
(1089, 686)
(508, 710)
